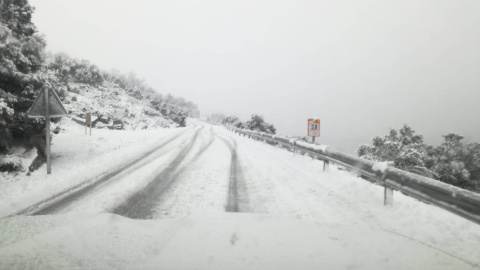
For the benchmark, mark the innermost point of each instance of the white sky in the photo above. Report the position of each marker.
(361, 66)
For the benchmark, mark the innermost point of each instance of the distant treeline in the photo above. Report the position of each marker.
(256, 123)
(454, 161)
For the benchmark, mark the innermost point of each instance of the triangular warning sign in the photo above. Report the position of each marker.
(38, 109)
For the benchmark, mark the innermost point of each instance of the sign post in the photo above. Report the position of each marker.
(88, 122)
(46, 105)
(47, 130)
(313, 128)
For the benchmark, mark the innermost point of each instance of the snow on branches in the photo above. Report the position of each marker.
(453, 162)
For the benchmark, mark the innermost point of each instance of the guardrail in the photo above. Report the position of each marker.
(459, 201)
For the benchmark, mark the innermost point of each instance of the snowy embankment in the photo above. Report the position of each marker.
(76, 158)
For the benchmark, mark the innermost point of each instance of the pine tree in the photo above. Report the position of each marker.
(21, 57)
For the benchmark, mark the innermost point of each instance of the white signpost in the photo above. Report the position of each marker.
(47, 105)
(88, 122)
(313, 128)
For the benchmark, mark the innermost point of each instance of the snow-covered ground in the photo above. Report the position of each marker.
(288, 213)
(76, 158)
(112, 101)
(222, 241)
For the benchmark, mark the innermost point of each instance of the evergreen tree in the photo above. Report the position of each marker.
(450, 161)
(21, 57)
(232, 121)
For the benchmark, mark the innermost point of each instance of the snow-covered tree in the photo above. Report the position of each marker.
(451, 158)
(403, 148)
(453, 172)
(22, 54)
(258, 124)
(470, 156)
(366, 151)
(232, 121)
(452, 162)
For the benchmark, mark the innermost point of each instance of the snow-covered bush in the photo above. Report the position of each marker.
(232, 121)
(11, 164)
(452, 162)
(258, 124)
(457, 163)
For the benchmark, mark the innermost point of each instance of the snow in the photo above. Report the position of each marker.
(293, 215)
(322, 148)
(224, 241)
(4, 107)
(303, 191)
(203, 181)
(76, 158)
(380, 166)
(11, 159)
(112, 101)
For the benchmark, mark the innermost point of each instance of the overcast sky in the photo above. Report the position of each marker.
(361, 66)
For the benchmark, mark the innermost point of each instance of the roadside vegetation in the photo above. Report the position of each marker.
(455, 161)
(256, 123)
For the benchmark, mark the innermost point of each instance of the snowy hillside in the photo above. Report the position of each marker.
(112, 96)
(112, 103)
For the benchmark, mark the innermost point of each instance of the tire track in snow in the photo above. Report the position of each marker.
(201, 188)
(61, 200)
(142, 204)
(237, 200)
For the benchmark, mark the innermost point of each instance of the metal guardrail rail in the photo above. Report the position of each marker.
(459, 201)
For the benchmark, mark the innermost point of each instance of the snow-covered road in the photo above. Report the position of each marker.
(190, 179)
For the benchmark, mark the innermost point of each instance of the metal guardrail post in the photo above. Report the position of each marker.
(387, 192)
(326, 164)
(388, 196)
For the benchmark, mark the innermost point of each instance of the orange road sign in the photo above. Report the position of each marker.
(313, 127)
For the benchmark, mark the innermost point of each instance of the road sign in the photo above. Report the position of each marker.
(39, 106)
(88, 118)
(45, 106)
(313, 127)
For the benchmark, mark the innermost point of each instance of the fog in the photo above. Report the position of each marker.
(362, 67)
